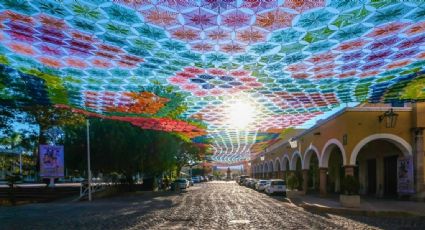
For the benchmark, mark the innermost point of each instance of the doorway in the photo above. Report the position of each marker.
(390, 176)
(371, 177)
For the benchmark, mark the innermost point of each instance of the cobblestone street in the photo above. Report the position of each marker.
(213, 205)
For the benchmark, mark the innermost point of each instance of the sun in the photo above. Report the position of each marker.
(240, 113)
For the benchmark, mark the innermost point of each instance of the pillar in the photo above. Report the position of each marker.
(418, 155)
(349, 170)
(305, 180)
(323, 176)
(379, 176)
(362, 177)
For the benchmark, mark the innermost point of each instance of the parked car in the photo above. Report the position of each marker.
(276, 186)
(187, 182)
(261, 185)
(253, 183)
(196, 179)
(181, 183)
(245, 181)
(190, 180)
(242, 179)
(77, 179)
(248, 182)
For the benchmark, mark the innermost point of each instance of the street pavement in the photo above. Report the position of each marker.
(212, 205)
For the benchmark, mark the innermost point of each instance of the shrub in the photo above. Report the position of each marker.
(292, 181)
(351, 185)
(13, 179)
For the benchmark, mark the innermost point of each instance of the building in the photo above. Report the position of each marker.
(370, 142)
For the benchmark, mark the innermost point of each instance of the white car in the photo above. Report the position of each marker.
(276, 186)
(261, 185)
(181, 183)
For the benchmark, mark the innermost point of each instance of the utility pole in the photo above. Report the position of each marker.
(20, 163)
(88, 160)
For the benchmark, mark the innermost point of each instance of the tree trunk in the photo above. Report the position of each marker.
(41, 140)
(179, 168)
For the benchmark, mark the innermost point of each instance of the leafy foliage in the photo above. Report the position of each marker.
(119, 147)
(293, 181)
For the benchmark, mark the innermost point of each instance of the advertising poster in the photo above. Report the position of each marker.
(51, 161)
(405, 175)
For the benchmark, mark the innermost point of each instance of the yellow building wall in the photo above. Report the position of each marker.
(356, 124)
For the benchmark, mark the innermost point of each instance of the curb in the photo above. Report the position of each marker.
(360, 212)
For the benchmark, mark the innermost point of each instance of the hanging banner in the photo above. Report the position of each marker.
(405, 175)
(51, 161)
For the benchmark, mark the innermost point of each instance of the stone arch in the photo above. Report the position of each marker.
(285, 160)
(307, 156)
(401, 144)
(293, 162)
(327, 149)
(271, 166)
(277, 165)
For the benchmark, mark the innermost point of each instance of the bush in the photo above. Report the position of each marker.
(13, 179)
(292, 181)
(351, 185)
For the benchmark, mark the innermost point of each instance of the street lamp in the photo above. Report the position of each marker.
(262, 158)
(390, 118)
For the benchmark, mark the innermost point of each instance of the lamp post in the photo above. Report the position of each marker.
(88, 161)
(390, 118)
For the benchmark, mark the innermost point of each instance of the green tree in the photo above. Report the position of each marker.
(119, 147)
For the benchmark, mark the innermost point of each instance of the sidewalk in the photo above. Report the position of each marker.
(368, 207)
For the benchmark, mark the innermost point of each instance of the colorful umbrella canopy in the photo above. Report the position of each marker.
(248, 69)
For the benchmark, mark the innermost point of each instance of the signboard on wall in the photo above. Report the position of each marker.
(405, 183)
(51, 161)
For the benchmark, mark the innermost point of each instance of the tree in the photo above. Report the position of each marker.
(12, 141)
(188, 152)
(120, 147)
(47, 116)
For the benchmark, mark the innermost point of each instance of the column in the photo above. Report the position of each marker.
(418, 155)
(379, 176)
(349, 170)
(305, 180)
(362, 177)
(323, 177)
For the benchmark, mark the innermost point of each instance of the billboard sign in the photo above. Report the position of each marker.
(405, 175)
(51, 161)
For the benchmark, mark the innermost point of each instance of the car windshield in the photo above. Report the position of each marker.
(278, 182)
(263, 182)
(181, 181)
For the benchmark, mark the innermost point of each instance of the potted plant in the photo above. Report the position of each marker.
(350, 197)
(293, 183)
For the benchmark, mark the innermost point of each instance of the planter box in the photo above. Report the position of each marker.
(294, 193)
(350, 201)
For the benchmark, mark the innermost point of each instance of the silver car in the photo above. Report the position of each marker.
(181, 183)
(261, 185)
